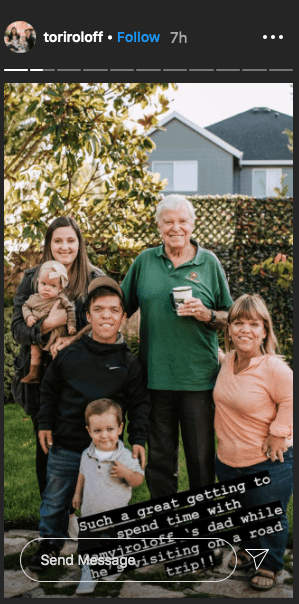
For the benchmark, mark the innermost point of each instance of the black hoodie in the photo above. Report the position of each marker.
(86, 371)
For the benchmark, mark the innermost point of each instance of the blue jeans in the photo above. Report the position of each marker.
(62, 474)
(280, 489)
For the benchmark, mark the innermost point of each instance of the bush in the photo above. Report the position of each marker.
(10, 352)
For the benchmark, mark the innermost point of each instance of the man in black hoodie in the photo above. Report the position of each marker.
(99, 365)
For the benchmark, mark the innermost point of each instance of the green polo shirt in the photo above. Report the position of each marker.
(179, 353)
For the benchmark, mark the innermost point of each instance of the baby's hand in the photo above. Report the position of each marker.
(30, 320)
(119, 470)
(71, 330)
(76, 503)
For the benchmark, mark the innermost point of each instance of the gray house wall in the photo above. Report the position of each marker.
(246, 178)
(181, 143)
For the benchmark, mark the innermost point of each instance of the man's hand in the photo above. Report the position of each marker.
(139, 451)
(59, 344)
(194, 307)
(76, 503)
(71, 330)
(30, 321)
(45, 439)
(274, 447)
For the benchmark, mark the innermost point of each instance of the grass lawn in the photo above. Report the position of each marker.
(21, 493)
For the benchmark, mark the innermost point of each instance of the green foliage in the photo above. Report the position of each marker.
(21, 493)
(280, 266)
(282, 191)
(290, 138)
(244, 233)
(73, 149)
(10, 352)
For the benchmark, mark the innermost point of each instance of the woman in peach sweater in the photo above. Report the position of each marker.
(253, 423)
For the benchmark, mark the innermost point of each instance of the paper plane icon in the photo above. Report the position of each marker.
(258, 556)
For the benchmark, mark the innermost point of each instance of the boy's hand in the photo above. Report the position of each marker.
(71, 330)
(139, 451)
(76, 503)
(119, 470)
(30, 321)
(45, 439)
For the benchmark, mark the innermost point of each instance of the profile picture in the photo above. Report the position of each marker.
(19, 37)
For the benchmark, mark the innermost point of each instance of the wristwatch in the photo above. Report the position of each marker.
(212, 319)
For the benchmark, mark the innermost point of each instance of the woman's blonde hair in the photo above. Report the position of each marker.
(252, 306)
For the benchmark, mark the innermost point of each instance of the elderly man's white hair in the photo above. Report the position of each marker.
(172, 202)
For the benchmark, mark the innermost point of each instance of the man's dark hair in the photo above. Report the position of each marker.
(101, 291)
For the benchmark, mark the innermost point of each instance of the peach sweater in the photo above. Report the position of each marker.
(249, 406)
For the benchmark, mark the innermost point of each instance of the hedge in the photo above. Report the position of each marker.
(241, 230)
(10, 351)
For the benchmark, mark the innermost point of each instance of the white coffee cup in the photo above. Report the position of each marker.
(180, 295)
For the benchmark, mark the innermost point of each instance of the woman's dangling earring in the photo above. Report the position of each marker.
(262, 347)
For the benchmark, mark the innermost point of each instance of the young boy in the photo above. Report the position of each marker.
(107, 472)
(99, 365)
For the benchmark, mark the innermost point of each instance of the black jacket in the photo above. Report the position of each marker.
(28, 396)
(86, 371)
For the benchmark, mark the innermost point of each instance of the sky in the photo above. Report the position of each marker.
(206, 104)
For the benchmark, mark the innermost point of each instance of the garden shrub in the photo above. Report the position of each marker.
(10, 352)
(240, 230)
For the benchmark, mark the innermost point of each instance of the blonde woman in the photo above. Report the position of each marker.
(253, 423)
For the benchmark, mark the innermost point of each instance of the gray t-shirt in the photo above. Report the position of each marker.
(102, 492)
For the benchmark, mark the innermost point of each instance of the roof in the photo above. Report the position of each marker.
(202, 131)
(258, 132)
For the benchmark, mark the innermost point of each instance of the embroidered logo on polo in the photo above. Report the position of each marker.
(192, 277)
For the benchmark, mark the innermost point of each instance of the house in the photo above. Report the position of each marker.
(245, 154)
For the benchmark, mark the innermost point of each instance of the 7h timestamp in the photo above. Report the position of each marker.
(178, 37)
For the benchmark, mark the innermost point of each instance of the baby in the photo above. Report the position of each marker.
(52, 280)
(23, 46)
(107, 474)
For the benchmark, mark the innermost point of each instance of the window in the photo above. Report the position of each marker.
(181, 175)
(264, 181)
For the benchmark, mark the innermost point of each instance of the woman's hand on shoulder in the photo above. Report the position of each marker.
(221, 355)
(60, 343)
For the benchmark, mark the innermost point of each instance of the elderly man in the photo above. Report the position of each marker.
(178, 350)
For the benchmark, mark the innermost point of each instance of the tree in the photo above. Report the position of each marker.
(282, 191)
(73, 149)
